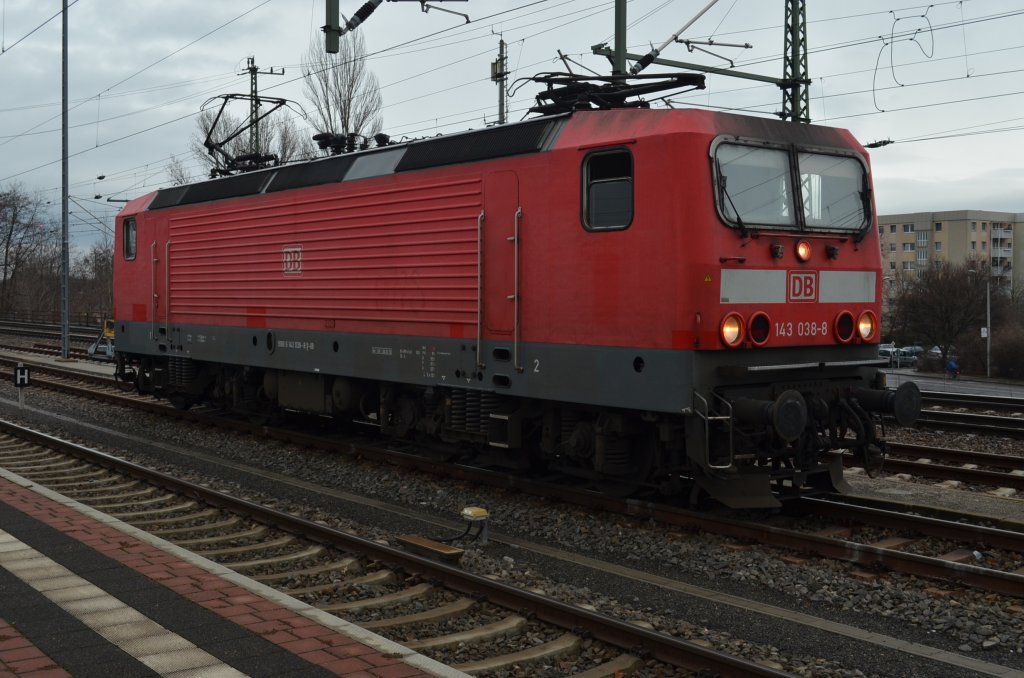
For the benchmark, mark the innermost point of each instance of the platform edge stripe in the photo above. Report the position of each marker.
(87, 612)
(341, 626)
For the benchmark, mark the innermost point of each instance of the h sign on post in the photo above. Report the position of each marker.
(22, 377)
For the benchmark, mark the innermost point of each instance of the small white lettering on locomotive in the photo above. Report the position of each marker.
(802, 329)
(802, 286)
(298, 345)
(292, 259)
(382, 350)
(428, 363)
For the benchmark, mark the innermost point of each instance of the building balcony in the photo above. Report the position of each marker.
(1002, 233)
(1001, 272)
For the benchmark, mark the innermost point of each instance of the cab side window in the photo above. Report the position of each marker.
(128, 237)
(608, 190)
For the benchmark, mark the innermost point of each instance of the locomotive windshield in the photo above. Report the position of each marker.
(755, 188)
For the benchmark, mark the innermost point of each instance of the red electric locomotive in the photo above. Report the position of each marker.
(673, 300)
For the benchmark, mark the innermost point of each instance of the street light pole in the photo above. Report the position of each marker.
(65, 267)
(988, 318)
(988, 325)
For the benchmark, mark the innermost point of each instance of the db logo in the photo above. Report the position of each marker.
(803, 286)
(292, 260)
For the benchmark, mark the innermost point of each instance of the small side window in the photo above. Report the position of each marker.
(128, 237)
(608, 190)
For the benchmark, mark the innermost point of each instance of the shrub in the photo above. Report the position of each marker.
(1007, 357)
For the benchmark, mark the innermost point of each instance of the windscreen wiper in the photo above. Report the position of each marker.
(739, 220)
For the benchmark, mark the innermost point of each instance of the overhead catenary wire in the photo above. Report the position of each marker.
(146, 68)
(461, 119)
(6, 49)
(153, 127)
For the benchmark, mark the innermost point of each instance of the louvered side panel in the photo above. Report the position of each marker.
(401, 255)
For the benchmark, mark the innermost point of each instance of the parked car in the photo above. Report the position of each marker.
(936, 352)
(905, 358)
(898, 357)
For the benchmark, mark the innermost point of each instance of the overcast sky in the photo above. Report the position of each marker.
(943, 82)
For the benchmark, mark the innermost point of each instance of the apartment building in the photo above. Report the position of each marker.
(911, 242)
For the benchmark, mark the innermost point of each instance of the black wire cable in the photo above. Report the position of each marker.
(8, 49)
(448, 540)
(536, 3)
(141, 70)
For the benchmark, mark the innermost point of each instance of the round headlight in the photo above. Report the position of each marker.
(731, 330)
(866, 325)
(803, 250)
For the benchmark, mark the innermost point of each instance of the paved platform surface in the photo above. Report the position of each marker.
(83, 594)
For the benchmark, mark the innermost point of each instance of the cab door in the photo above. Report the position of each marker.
(160, 282)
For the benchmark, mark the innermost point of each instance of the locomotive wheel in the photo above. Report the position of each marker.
(126, 381)
(641, 454)
(181, 401)
(874, 458)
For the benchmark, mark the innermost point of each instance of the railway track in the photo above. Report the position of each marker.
(969, 400)
(956, 538)
(430, 606)
(79, 333)
(801, 560)
(838, 546)
(983, 469)
(991, 424)
(43, 349)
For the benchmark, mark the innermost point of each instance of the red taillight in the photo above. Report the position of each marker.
(844, 327)
(759, 328)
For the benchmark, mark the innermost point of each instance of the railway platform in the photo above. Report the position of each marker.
(93, 368)
(83, 594)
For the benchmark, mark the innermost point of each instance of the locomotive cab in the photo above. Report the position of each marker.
(793, 380)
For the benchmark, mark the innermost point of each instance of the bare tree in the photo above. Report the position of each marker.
(945, 305)
(344, 93)
(22, 234)
(292, 143)
(177, 172)
(36, 284)
(92, 276)
(894, 287)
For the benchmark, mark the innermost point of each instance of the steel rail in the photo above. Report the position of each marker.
(971, 400)
(994, 537)
(1007, 461)
(983, 423)
(943, 472)
(948, 515)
